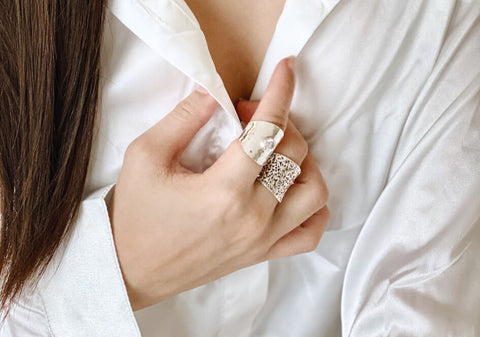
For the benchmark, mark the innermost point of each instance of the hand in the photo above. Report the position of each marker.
(175, 230)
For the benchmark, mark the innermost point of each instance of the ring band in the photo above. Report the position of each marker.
(278, 174)
(259, 139)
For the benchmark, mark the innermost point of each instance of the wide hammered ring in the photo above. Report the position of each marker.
(278, 174)
(259, 139)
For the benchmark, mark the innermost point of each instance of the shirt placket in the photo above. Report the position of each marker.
(171, 29)
(246, 290)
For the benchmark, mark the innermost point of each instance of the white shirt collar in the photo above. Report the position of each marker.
(170, 28)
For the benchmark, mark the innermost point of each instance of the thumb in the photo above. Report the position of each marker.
(175, 131)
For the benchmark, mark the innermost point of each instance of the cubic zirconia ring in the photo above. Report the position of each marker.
(259, 139)
(278, 174)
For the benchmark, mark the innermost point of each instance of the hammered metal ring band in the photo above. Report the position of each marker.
(259, 139)
(278, 174)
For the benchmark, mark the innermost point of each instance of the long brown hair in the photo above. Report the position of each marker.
(49, 79)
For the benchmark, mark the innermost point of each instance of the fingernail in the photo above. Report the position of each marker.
(291, 63)
(200, 89)
(240, 99)
(206, 96)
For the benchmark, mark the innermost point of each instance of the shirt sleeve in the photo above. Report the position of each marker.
(27, 318)
(414, 270)
(83, 292)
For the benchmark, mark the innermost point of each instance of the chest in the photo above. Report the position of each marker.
(238, 34)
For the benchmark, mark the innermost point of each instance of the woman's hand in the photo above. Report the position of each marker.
(175, 230)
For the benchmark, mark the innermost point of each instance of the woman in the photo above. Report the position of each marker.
(386, 96)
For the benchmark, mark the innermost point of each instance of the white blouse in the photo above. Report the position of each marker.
(388, 98)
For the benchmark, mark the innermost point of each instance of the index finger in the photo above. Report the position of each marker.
(274, 106)
(235, 165)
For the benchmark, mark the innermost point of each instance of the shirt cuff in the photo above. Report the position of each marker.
(83, 290)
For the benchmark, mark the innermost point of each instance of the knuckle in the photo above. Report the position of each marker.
(184, 110)
(318, 229)
(326, 215)
(304, 147)
(301, 147)
(259, 253)
(310, 244)
(254, 234)
(141, 156)
(236, 189)
(138, 149)
(247, 224)
(318, 195)
(232, 199)
(325, 192)
(254, 227)
(278, 117)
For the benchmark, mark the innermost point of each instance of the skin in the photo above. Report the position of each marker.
(238, 34)
(175, 230)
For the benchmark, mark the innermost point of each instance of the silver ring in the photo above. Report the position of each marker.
(259, 139)
(278, 174)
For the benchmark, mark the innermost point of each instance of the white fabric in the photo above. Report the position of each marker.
(388, 97)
